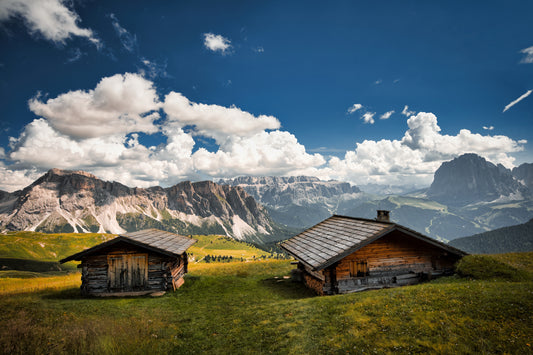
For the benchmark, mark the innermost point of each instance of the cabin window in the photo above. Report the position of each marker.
(358, 268)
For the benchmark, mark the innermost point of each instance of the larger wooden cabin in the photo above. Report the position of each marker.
(346, 254)
(137, 263)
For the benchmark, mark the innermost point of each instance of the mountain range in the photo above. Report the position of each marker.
(299, 201)
(468, 195)
(76, 201)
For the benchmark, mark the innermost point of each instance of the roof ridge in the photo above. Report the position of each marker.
(362, 219)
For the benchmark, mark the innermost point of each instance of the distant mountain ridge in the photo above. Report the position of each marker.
(469, 195)
(299, 201)
(64, 201)
(517, 238)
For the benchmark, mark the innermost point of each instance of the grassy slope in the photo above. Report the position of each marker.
(250, 308)
(47, 247)
(223, 246)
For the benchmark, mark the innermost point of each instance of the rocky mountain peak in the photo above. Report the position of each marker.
(471, 178)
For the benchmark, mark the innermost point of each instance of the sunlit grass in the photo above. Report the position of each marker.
(252, 308)
(11, 285)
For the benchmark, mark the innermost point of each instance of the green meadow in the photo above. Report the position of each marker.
(254, 307)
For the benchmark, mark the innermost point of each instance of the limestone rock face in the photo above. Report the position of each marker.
(298, 190)
(66, 201)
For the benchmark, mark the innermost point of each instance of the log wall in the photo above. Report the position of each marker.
(393, 260)
(164, 272)
(314, 280)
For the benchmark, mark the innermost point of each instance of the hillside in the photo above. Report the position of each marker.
(218, 245)
(503, 240)
(253, 308)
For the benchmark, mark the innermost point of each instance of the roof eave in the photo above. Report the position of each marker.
(432, 241)
(126, 239)
(296, 257)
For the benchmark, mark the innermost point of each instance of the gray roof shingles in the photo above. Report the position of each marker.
(155, 239)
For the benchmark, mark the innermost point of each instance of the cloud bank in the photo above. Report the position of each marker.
(105, 131)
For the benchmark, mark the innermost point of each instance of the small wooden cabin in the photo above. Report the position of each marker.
(136, 263)
(346, 254)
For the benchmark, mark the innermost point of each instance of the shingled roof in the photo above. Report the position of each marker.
(338, 236)
(156, 240)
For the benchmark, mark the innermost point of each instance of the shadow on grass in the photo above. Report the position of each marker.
(69, 293)
(287, 288)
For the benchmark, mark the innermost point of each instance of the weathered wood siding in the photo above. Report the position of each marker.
(393, 260)
(126, 268)
(314, 280)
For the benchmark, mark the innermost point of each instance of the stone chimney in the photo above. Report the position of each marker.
(383, 216)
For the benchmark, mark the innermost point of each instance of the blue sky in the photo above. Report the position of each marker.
(153, 93)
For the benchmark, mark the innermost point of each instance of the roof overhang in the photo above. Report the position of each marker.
(96, 248)
(393, 227)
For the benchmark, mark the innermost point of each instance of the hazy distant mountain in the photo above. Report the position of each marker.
(471, 179)
(524, 174)
(503, 240)
(469, 195)
(299, 201)
(66, 201)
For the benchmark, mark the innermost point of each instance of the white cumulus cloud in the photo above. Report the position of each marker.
(102, 131)
(52, 19)
(414, 158)
(119, 104)
(215, 121)
(265, 153)
(216, 43)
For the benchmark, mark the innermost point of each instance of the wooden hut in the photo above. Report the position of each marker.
(346, 254)
(136, 263)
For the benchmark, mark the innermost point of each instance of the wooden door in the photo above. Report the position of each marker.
(127, 272)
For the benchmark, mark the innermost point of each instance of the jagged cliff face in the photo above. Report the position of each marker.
(65, 201)
(471, 179)
(298, 190)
